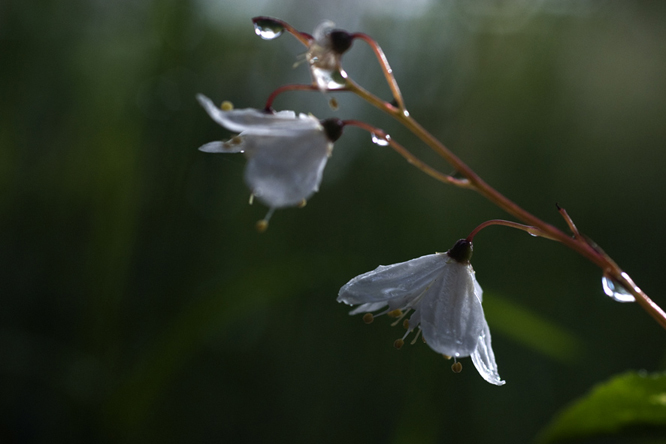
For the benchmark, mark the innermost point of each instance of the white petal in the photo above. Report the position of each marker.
(221, 147)
(321, 31)
(282, 171)
(451, 315)
(484, 359)
(252, 121)
(369, 307)
(395, 285)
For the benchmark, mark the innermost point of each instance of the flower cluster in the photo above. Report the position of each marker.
(286, 156)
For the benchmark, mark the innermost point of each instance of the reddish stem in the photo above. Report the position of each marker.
(386, 68)
(404, 152)
(531, 230)
(285, 88)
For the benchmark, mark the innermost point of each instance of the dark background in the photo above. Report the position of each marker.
(138, 303)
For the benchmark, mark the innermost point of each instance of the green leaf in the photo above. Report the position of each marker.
(629, 400)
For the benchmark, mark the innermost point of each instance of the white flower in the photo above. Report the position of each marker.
(324, 54)
(286, 153)
(442, 290)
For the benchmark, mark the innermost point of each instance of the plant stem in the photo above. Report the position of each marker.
(506, 223)
(412, 159)
(280, 90)
(386, 68)
(580, 245)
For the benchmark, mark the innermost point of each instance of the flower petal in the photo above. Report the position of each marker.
(450, 314)
(395, 285)
(252, 121)
(321, 31)
(368, 308)
(222, 147)
(484, 358)
(282, 171)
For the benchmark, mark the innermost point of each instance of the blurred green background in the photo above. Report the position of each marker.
(140, 305)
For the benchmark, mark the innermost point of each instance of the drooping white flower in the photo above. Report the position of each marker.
(324, 54)
(445, 297)
(286, 152)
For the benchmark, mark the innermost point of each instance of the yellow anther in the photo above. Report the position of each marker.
(368, 318)
(227, 106)
(333, 104)
(262, 225)
(456, 367)
(302, 203)
(446, 356)
(405, 323)
(394, 313)
(236, 140)
(398, 344)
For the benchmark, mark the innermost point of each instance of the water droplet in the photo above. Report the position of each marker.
(380, 140)
(327, 79)
(616, 291)
(268, 29)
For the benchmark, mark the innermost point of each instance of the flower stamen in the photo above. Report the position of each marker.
(401, 315)
(368, 318)
(418, 333)
(261, 225)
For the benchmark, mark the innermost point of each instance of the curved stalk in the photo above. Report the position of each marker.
(412, 159)
(577, 243)
(386, 68)
(607, 265)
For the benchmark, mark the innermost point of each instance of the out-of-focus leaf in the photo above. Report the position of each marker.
(530, 329)
(629, 400)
